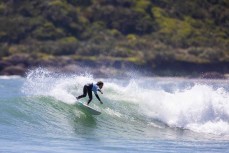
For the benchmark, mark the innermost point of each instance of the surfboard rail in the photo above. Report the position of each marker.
(88, 108)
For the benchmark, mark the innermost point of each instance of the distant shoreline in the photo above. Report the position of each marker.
(156, 38)
(108, 68)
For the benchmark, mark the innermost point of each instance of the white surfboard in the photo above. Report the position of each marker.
(88, 108)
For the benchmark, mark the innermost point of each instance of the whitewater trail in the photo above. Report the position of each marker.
(199, 107)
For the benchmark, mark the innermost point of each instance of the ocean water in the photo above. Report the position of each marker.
(39, 113)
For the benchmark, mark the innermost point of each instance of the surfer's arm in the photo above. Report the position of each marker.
(100, 91)
(97, 96)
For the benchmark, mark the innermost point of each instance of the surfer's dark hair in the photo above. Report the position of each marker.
(99, 83)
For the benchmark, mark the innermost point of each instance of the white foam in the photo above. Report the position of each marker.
(112, 112)
(214, 127)
(199, 108)
(7, 77)
(42, 82)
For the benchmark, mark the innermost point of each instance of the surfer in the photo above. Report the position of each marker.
(88, 88)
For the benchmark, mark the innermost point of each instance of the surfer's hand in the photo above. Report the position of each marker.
(101, 102)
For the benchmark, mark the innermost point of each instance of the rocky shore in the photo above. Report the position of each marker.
(20, 64)
(116, 37)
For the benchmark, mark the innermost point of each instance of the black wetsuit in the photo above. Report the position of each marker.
(87, 89)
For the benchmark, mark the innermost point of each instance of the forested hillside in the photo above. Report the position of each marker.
(178, 35)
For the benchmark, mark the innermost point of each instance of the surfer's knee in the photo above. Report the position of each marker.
(84, 95)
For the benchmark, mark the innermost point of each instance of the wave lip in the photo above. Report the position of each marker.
(199, 108)
(181, 104)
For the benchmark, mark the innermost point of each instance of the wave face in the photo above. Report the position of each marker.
(138, 105)
(39, 113)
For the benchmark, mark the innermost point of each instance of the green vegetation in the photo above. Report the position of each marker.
(146, 32)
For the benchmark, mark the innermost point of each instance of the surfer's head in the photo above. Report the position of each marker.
(100, 84)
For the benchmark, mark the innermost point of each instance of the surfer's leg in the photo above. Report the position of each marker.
(90, 96)
(84, 92)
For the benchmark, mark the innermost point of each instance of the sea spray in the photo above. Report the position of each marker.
(139, 114)
(193, 105)
(201, 109)
(41, 82)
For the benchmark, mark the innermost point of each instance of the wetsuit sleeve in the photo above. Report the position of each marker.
(100, 91)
